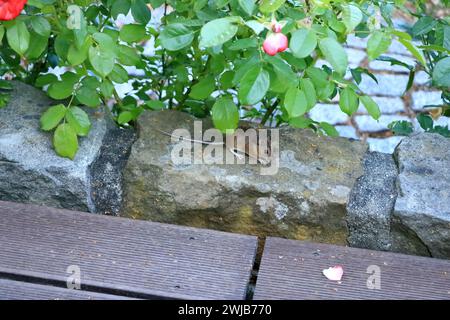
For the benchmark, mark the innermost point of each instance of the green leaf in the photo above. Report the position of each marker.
(256, 26)
(254, 86)
(120, 7)
(79, 121)
(119, 74)
(88, 97)
(247, 5)
(176, 37)
(125, 117)
(133, 33)
(102, 60)
(225, 114)
(351, 17)
(348, 101)
(300, 122)
(423, 25)
(295, 102)
(38, 45)
(141, 13)
(76, 56)
(203, 88)
(18, 37)
(335, 54)
(371, 106)
(329, 129)
(128, 56)
(441, 73)
(2, 32)
(41, 26)
(155, 105)
(414, 51)
(65, 141)
(60, 90)
(45, 79)
(303, 42)
(269, 6)
(377, 44)
(5, 85)
(283, 71)
(425, 121)
(52, 117)
(307, 87)
(401, 128)
(219, 31)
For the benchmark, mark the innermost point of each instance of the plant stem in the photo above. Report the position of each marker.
(269, 112)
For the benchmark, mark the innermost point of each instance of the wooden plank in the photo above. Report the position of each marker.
(15, 290)
(293, 270)
(122, 255)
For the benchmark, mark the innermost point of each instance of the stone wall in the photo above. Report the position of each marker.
(31, 172)
(327, 189)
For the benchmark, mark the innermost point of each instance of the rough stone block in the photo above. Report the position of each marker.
(421, 218)
(305, 199)
(371, 203)
(31, 172)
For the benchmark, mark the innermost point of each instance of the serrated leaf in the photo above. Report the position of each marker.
(335, 54)
(52, 117)
(254, 86)
(102, 60)
(348, 101)
(269, 6)
(295, 102)
(65, 141)
(18, 37)
(218, 31)
(378, 43)
(225, 114)
(176, 37)
(371, 106)
(303, 42)
(351, 17)
(79, 121)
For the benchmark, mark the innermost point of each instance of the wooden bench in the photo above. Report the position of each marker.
(293, 270)
(117, 256)
(124, 259)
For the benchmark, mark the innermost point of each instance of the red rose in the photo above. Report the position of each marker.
(9, 9)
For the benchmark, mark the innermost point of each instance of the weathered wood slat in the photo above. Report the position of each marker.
(293, 270)
(121, 255)
(16, 290)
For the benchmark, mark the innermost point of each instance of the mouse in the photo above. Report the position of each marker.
(250, 149)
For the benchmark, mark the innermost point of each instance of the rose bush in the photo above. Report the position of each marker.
(230, 59)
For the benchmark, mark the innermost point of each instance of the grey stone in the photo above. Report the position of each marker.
(356, 42)
(384, 145)
(31, 172)
(393, 85)
(330, 113)
(397, 48)
(424, 98)
(368, 124)
(347, 132)
(421, 218)
(355, 57)
(371, 202)
(422, 78)
(387, 105)
(305, 199)
(378, 65)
